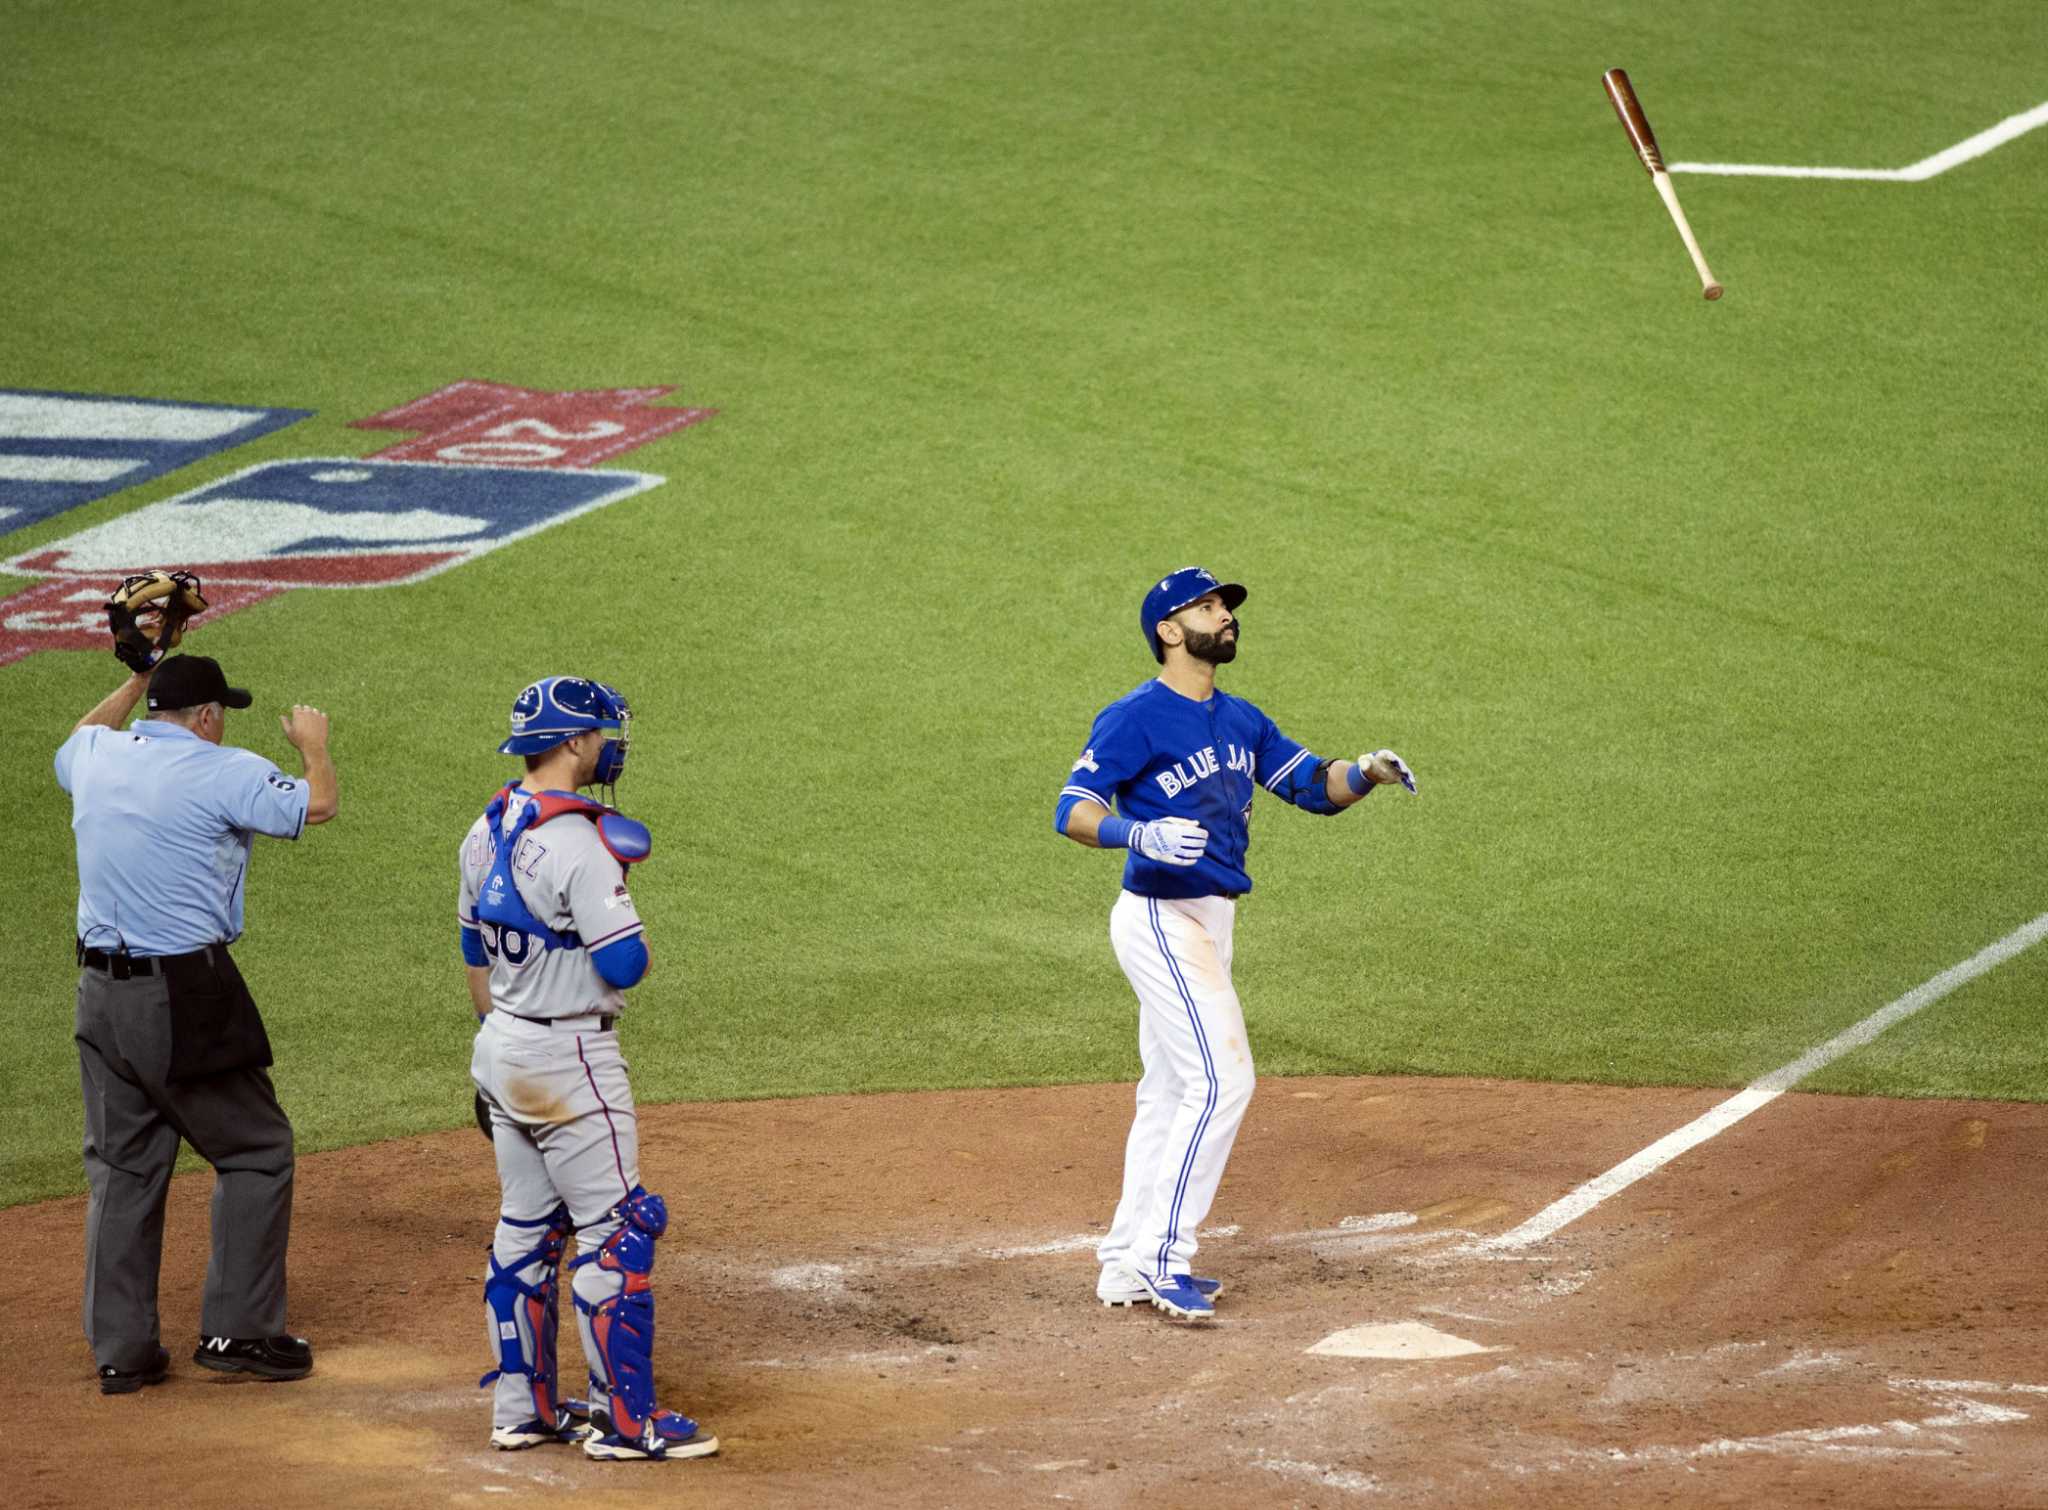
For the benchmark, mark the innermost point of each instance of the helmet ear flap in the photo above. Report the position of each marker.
(611, 761)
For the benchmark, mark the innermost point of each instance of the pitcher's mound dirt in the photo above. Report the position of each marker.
(889, 1300)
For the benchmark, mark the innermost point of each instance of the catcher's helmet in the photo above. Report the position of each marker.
(1170, 594)
(556, 708)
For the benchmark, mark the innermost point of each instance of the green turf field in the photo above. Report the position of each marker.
(1714, 632)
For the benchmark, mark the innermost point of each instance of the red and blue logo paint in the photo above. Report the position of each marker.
(493, 465)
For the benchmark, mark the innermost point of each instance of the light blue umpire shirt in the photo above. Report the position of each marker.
(164, 822)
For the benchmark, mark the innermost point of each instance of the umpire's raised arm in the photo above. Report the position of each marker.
(306, 728)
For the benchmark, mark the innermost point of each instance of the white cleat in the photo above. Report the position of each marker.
(1120, 1285)
(1179, 1296)
(536, 1433)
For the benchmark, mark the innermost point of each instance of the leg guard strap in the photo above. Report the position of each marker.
(511, 1301)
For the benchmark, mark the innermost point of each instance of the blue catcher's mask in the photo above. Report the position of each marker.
(556, 708)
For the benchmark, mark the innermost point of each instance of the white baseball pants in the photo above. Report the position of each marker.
(566, 1132)
(1198, 1075)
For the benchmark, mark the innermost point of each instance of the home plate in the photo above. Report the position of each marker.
(1396, 1339)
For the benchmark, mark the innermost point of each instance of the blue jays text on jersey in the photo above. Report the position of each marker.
(1154, 753)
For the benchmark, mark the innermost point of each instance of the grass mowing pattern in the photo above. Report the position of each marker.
(1713, 632)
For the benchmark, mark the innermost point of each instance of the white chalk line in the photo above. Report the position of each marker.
(1967, 1387)
(1080, 1240)
(1889, 1439)
(1762, 1092)
(2012, 127)
(1456, 1315)
(832, 1280)
(1830, 1442)
(1072, 1244)
(1352, 1234)
(1330, 1477)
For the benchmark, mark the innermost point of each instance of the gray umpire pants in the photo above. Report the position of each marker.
(133, 1121)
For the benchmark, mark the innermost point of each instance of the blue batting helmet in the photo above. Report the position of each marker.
(1170, 594)
(556, 708)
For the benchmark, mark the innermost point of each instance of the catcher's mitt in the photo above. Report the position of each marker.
(147, 614)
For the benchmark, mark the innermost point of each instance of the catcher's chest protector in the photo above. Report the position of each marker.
(500, 903)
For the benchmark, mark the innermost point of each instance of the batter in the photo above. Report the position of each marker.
(1178, 761)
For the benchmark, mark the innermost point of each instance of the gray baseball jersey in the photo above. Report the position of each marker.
(570, 883)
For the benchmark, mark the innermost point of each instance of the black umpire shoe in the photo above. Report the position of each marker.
(266, 1357)
(124, 1381)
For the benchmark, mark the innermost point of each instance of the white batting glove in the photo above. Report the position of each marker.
(1384, 768)
(1170, 841)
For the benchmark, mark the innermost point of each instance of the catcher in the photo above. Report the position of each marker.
(170, 1044)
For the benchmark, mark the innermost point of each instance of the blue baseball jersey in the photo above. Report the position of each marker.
(1156, 754)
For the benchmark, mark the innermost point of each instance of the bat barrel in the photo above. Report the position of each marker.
(1622, 95)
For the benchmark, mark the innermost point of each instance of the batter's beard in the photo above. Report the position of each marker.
(1218, 649)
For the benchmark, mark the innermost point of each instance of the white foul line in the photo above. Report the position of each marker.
(1949, 157)
(1763, 1091)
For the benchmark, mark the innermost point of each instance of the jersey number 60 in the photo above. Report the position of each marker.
(511, 944)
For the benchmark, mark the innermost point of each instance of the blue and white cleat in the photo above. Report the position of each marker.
(536, 1433)
(572, 1425)
(1121, 1286)
(1179, 1297)
(663, 1436)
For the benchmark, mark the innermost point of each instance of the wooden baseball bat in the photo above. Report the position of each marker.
(1622, 95)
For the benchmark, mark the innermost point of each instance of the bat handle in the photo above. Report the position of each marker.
(1709, 285)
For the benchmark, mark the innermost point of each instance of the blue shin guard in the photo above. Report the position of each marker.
(622, 1331)
(522, 1300)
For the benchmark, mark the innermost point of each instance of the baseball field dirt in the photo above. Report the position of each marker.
(888, 1300)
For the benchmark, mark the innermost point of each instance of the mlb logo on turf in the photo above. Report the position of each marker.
(60, 450)
(335, 523)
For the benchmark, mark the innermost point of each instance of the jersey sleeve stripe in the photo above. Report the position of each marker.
(1273, 781)
(593, 945)
(1082, 791)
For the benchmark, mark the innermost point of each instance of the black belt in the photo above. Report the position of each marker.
(128, 966)
(604, 1019)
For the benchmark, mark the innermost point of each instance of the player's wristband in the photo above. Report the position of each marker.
(1114, 832)
(1359, 782)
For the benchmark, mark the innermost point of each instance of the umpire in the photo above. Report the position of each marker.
(170, 1044)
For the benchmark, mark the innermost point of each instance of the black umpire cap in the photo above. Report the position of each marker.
(187, 681)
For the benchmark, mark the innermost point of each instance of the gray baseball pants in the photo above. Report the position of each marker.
(133, 1121)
